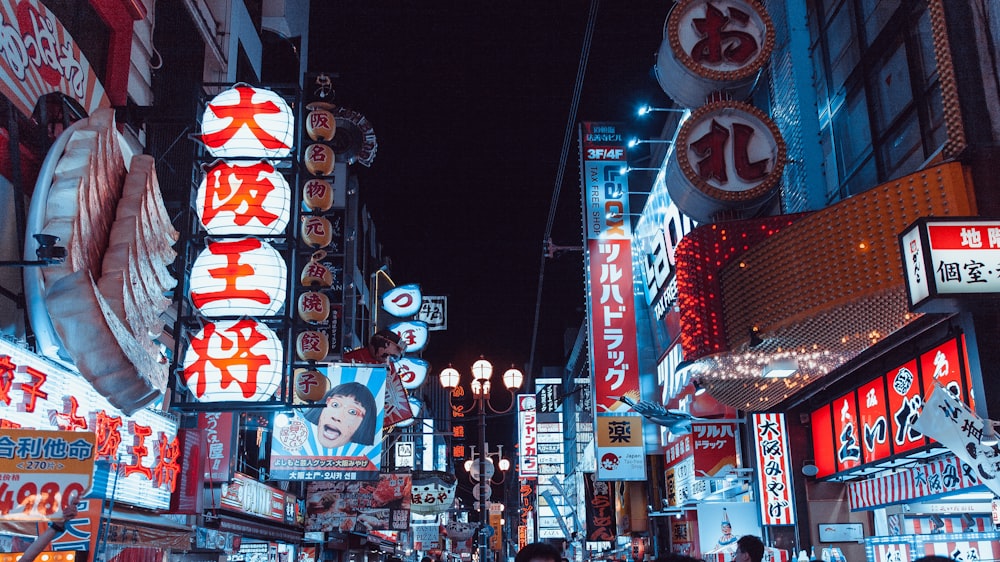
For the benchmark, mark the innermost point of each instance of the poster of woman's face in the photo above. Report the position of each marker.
(338, 437)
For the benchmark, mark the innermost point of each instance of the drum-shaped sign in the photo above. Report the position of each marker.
(402, 301)
(413, 332)
(321, 125)
(317, 195)
(248, 198)
(730, 157)
(433, 491)
(233, 360)
(316, 231)
(247, 122)
(412, 371)
(312, 345)
(245, 277)
(319, 159)
(713, 46)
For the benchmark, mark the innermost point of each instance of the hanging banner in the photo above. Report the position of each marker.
(774, 486)
(600, 512)
(527, 436)
(339, 437)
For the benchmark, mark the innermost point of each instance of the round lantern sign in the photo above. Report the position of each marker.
(251, 199)
(711, 46)
(238, 277)
(321, 125)
(312, 345)
(412, 371)
(310, 385)
(248, 122)
(233, 360)
(730, 159)
(402, 301)
(413, 332)
(319, 159)
(317, 195)
(316, 231)
(432, 491)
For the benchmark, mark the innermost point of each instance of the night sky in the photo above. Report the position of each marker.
(470, 101)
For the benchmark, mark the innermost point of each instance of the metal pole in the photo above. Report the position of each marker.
(482, 478)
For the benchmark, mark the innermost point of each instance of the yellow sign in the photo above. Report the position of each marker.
(41, 470)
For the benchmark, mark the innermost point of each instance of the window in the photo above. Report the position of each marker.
(878, 90)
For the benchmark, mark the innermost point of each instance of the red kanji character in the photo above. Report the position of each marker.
(745, 169)
(6, 378)
(239, 349)
(719, 45)
(243, 113)
(70, 420)
(167, 467)
(32, 392)
(317, 154)
(108, 436)
(316, 189)
(139, 450)
(312, 302)
(712, 149)
(310, 341)
(240, 190)
(231, 273)
(315, 226)
(320, 120)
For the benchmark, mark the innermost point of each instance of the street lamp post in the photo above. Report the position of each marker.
(482, 372)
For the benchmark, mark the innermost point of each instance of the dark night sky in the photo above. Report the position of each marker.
(470, 100)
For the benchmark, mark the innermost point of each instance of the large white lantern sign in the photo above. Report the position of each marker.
(233, 360)
(248, 198)
(238, 277)
(247, 122)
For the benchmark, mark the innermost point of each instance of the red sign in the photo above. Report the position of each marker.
(904, 406)
(773, 458)
(822, 433)
(873, 421)
(845, 427)
(715, 447)
(677, 450)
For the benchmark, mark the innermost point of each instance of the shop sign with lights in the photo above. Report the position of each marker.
(248, 122)
(412, 371)
(874, 422)
(951, 263)
(527, 436)
(774, 486)
(412, 332)
(238, 277)
(233, 360)
(137, 457)
(712, 46)
(42, 471)
(244, 198)
(402, 301)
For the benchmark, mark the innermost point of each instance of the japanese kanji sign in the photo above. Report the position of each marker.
(619, 447)
(951, 263)
(527, 436)
(41, 470)
(248, 122)
(774, 481)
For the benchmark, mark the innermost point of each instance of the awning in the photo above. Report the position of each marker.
(259, 529)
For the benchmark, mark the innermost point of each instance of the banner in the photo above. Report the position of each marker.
(339, 437)
(40, 471)
(774, 486)
(382, 505)
(953, 424)
(600, 510)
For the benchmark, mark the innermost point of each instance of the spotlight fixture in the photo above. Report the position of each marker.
(699, 389)
(645, 109)
(780, 368)
(48, 252)
(755, 339)
(634, 142)
(626, 169)
(990, 437)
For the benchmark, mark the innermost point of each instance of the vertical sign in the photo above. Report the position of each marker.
(775, 481)
(614, 360)
(527, 436)
(599, 510)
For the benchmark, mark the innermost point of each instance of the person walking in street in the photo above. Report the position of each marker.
(749, 549)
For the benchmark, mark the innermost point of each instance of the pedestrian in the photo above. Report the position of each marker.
(54, 529)
(749, 549)
(538, 552)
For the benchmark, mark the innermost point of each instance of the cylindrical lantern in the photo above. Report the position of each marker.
(247, 122)
(321, 125)
(238, 277)
(233, 360)
(252, 199)
(310, 385)
(315, 274)
(317, 195)
(432, 491)
(312, 345)
(317, 231)
(313, 306)
(319, 159)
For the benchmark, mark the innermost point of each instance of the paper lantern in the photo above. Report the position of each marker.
(248, 122)
(312, 345)
(317, 195)
(252, 199)
(315, 273)
(412, 371)
(238, 277)
(233, 360)
(321, 125)
(313, 306)
(403, 300)
(319, 159)
(310, 385)
(317, 231)
(413, 332)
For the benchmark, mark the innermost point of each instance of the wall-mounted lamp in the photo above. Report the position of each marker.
(649, 109)
(48, 253)
(698, 388)
(634, 142)
(626, 169)
(755, 338)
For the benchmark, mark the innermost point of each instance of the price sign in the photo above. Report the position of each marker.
(42, 471)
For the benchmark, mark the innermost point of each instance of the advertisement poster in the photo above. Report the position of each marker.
(42, 471)
(722, 524)
(339, 436)
(377, 505)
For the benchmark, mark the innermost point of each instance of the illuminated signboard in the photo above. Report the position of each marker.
(246, 122)
(233, 360)
(875, 421)
(951, 263)
(774, 486)
(137, 456)
(527, 436)
(238, 277)
(251, 199)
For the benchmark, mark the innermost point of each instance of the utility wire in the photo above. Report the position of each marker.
(581, 71)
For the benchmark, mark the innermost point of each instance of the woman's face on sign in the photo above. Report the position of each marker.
(339, 420)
